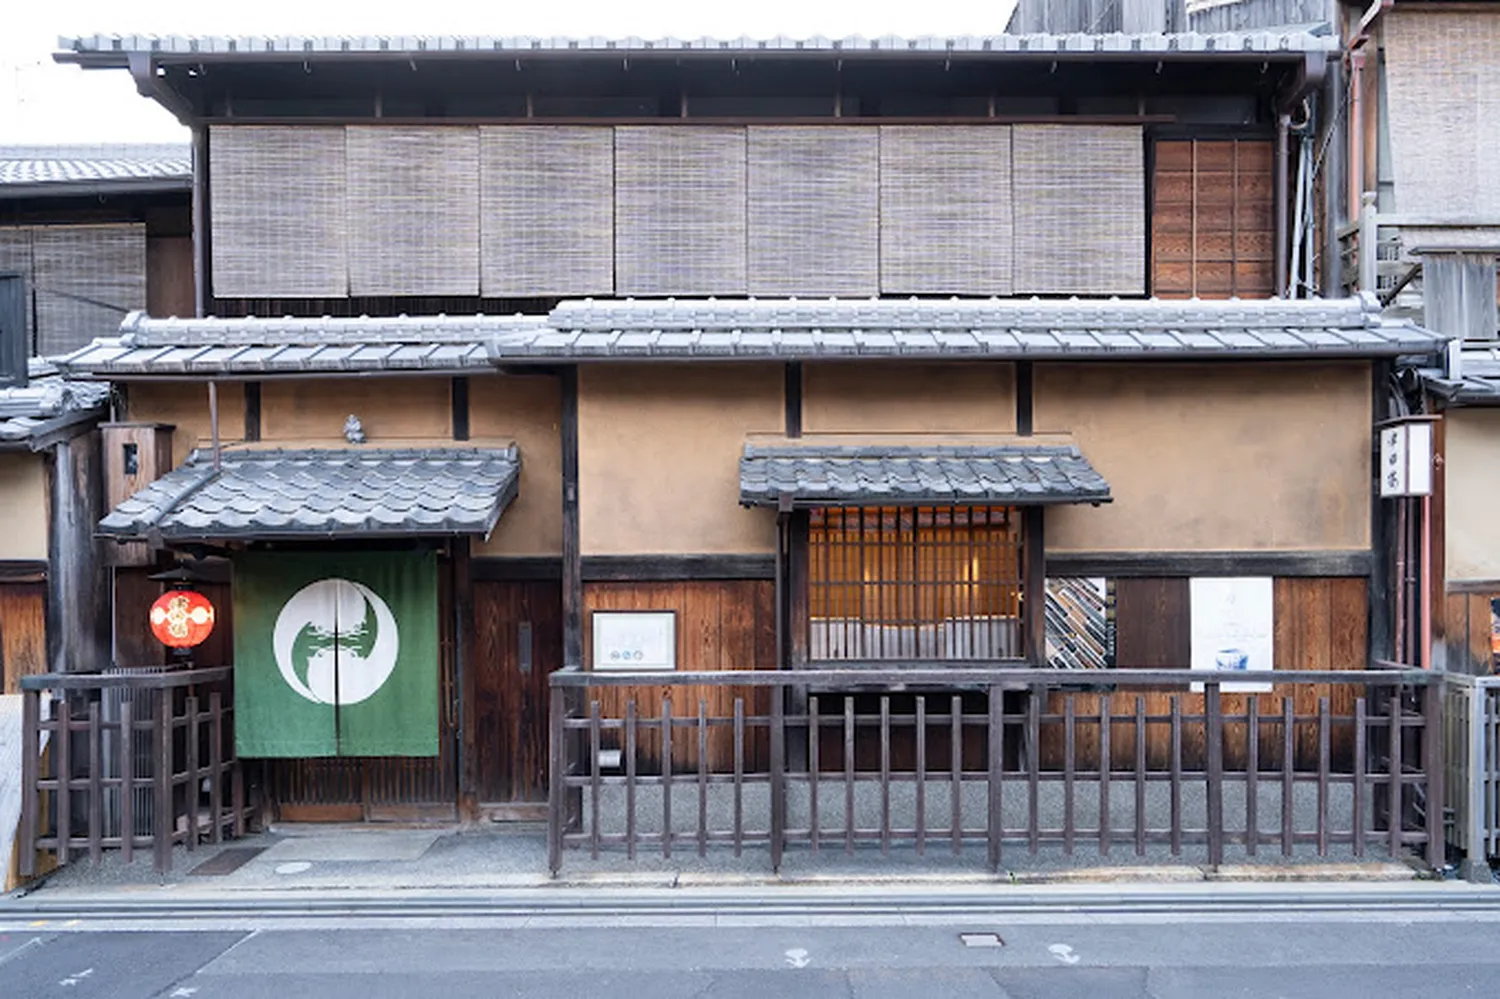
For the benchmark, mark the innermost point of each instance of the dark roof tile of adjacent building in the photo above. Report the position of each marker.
(819, 473)
(31, 416)
(40, 171)
(324, 493)
(1476, 381)
(776, 329)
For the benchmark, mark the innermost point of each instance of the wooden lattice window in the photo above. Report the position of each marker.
(1213, 231)
(914, 583)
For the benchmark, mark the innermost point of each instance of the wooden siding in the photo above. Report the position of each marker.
(1320, 624)
(278, 211)
(413, 210)
(508, 698)
(547, 211)
(23, 633)
(1467, 632)
(814, 226)
(946, 223)
(169, 276)
(1212, 223)
(680, 211)
(721, 625)
(1080, 210)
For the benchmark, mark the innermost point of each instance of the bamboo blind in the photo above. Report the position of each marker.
(1212, 225)
(547, 211)
(914, 582)
(680, 201)
(1080, 202)
(945, 210)
(814, 223)
(87, 277)
(413, 203)
(278, 212)
(1443, 84)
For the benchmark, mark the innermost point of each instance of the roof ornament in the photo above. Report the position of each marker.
(354, 431)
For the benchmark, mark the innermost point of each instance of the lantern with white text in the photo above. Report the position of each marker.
(182, 619)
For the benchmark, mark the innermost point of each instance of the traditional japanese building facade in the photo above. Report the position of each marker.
(953, 351)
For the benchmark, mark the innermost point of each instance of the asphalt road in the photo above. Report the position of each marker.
(1431, 952)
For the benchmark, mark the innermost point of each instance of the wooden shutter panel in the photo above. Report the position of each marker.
(945, 209)
(1080, 197)
(413, 196)
(814, 210)
(87, 278)
(547, 211)
(680, 210)
(1212, 226)
(15, 258)
(278, 214)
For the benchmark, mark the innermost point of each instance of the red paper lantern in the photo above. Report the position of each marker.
(182, 618)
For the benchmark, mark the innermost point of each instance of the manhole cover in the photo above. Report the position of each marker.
(981, 940)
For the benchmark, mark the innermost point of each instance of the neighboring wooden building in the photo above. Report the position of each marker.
(837, 353)
(87, 233)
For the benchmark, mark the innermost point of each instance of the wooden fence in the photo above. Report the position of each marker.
(1471, 752)
(128, 761)
(917, 758)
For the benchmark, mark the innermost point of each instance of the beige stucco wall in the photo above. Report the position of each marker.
(525, 409)
(23, 506)
(185, 406)
(390, 409)
(658, 457)
(1471, 470)
(1214, 457)
(908, 397)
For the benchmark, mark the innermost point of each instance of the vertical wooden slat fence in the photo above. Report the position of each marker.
(1471, 763)
(167, 744)
(902, 757)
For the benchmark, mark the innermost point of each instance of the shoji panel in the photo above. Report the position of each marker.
(547, 211)
(413, 203)
(679, 210)
(86, 278)
(945, 209)
(278, 216)
(814, 213)
(1080, 197)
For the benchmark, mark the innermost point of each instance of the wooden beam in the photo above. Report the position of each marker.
(252, 411)
(1025, 398)
(793, 396)
(1034, 591)
(520, 569)
(631, 568)
(19, 570)
(572, 556)
(1214, 563)
(459, 396)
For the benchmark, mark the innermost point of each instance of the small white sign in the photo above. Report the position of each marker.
(635, 640)
(1406, 459)
(1232, 628)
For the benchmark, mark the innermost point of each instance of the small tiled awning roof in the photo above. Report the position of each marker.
(822, 474)
(317, 494)
(1475, 380)
(46, 409)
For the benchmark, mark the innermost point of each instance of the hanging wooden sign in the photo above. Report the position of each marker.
(182, 619)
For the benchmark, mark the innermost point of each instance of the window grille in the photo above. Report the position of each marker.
(914, 583)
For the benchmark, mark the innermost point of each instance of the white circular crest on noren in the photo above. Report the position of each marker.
(303, 642)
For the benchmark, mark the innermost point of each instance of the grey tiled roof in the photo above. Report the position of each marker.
(322, 493)
(41, 170)
(1021, 328)
(1478, 381)
(823, 474)
(270, 346)
(30, 414)
(112, 49)
(780, 329)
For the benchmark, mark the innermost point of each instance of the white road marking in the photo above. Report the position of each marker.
(1064, 953)
(76, 977)
(33, 942)
(183, 992)
(797, 958)
(981, 939)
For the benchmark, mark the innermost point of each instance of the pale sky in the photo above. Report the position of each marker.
(42, 102)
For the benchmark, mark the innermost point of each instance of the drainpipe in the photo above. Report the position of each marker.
(213, 419)
(1283, 126)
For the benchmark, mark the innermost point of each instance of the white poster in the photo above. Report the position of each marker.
(1232, 628)
(635, 640)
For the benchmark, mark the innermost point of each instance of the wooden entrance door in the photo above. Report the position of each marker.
(517, 644)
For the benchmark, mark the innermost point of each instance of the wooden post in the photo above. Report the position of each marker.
(572, 560)
(62, 766)
(462, 590)
(1034, 595)
(1432, 746)
(1214, 738)
(778, 776)
(556, 782)
(31, 741)
(163, 781)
